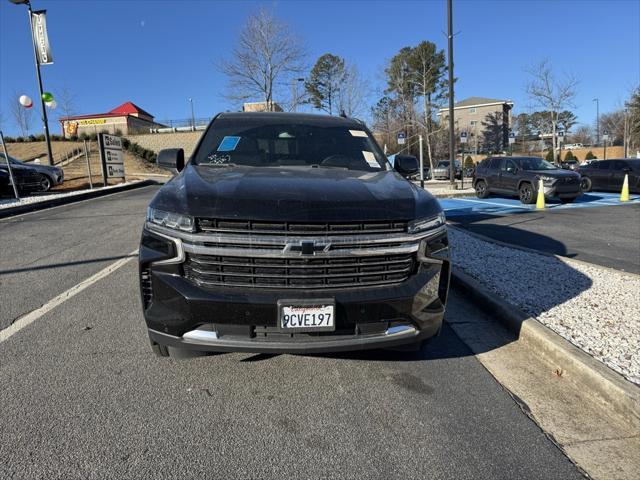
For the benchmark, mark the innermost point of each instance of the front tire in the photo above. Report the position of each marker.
(585, 184)
(44, 183)
(525, 192)
(481, 189)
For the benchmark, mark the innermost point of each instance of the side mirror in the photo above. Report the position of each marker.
(406, 165)
(171, 158)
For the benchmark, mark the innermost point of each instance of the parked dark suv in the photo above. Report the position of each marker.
(609, 175)
(521, 176)
(291, 233)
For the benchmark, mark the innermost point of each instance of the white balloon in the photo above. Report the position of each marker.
(26, 101)
(52, 104)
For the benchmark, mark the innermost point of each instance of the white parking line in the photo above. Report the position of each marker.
(31, 317)
(493, 203)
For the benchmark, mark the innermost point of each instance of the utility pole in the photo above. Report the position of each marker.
(597, 120)
(421, 163)
(452, 134)
(294, 93)
(193, 117)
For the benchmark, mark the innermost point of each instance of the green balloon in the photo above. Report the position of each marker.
(47, 97)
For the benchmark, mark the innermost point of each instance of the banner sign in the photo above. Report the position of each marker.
(111, 157)
(40, 37)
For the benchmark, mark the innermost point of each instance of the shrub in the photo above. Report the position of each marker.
(9, 139)
(590, 156)
(126, 143)
(468, 162)
(83, 136)
(569, 156)
(19, 139)
(549, 156)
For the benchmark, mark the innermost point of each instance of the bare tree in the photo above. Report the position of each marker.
(551, 93)
(583, 134)
(21, 115)
(353, 93)
(66, 100)
(267, 55)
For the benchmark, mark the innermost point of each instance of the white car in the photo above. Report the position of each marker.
(573, 146)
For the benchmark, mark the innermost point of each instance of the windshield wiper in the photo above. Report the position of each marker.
(217, 164)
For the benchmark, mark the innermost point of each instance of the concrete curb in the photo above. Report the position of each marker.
(450, 195)
(576, 365)
(55, 202)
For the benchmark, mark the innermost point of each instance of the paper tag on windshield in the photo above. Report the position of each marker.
(370, 158)
(228, 144)
(358, 133)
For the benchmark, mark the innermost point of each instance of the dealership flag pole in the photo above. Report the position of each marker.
(452, 133)
(41, 37)
(6, 157)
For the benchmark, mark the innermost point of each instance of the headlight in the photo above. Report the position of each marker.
(427, 223)
(546, 179)
(170, 220)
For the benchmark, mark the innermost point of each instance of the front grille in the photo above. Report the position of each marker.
(299, 228)
(317, 272)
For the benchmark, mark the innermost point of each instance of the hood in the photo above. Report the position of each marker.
(294, 194)
(557, 173)
(42, 168)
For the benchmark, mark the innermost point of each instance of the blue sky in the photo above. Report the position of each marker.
(159, 53)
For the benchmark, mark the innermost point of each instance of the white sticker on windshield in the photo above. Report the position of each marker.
(370, 158)
(358, 133)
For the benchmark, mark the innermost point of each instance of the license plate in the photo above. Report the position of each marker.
(306, 316)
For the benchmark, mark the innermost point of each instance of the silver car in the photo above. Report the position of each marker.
(441, 171)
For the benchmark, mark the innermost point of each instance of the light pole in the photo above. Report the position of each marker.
(294, 93)
(45, 121)
(452, 133)
(597, 120)
(193, 117)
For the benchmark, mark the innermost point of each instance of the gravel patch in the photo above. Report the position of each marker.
(12, 202)
(597, 309)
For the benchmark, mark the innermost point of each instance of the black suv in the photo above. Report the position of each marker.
(291, 233)
(521, 176)
(609, 175)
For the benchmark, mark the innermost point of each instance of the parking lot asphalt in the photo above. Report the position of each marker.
(597, 229)
(82, 395)
(44, 253)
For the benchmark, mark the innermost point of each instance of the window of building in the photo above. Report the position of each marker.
(472, 110)
(473, 123)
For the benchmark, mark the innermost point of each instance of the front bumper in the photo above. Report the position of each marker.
(181, 314)
(557, 190)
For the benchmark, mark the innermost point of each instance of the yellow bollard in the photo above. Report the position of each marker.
(624, 195)
(540, 199)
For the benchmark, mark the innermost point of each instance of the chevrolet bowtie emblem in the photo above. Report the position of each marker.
(307, 247)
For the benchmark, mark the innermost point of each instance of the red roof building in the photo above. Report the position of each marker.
(125, 119)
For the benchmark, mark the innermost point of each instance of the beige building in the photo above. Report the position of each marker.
(486, 120)
(261, 107)
(126, 119)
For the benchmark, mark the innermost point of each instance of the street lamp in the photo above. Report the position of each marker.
(193, 117)
(45, 121)
(294, 93)
(597, 120)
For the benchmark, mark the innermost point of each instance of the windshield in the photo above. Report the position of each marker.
(535, 163)
(256, 142)
(3, 160)
(443, 164)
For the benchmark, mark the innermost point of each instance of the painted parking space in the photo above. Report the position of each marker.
(505, 206)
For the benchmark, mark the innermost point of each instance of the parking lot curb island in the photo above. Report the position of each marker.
(574, 364)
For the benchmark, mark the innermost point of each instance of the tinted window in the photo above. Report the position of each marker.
(508, 164)
(619, 165)
(262, 143)
(604, 165)
(536, 163)
(493, 163)
(634, 164)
